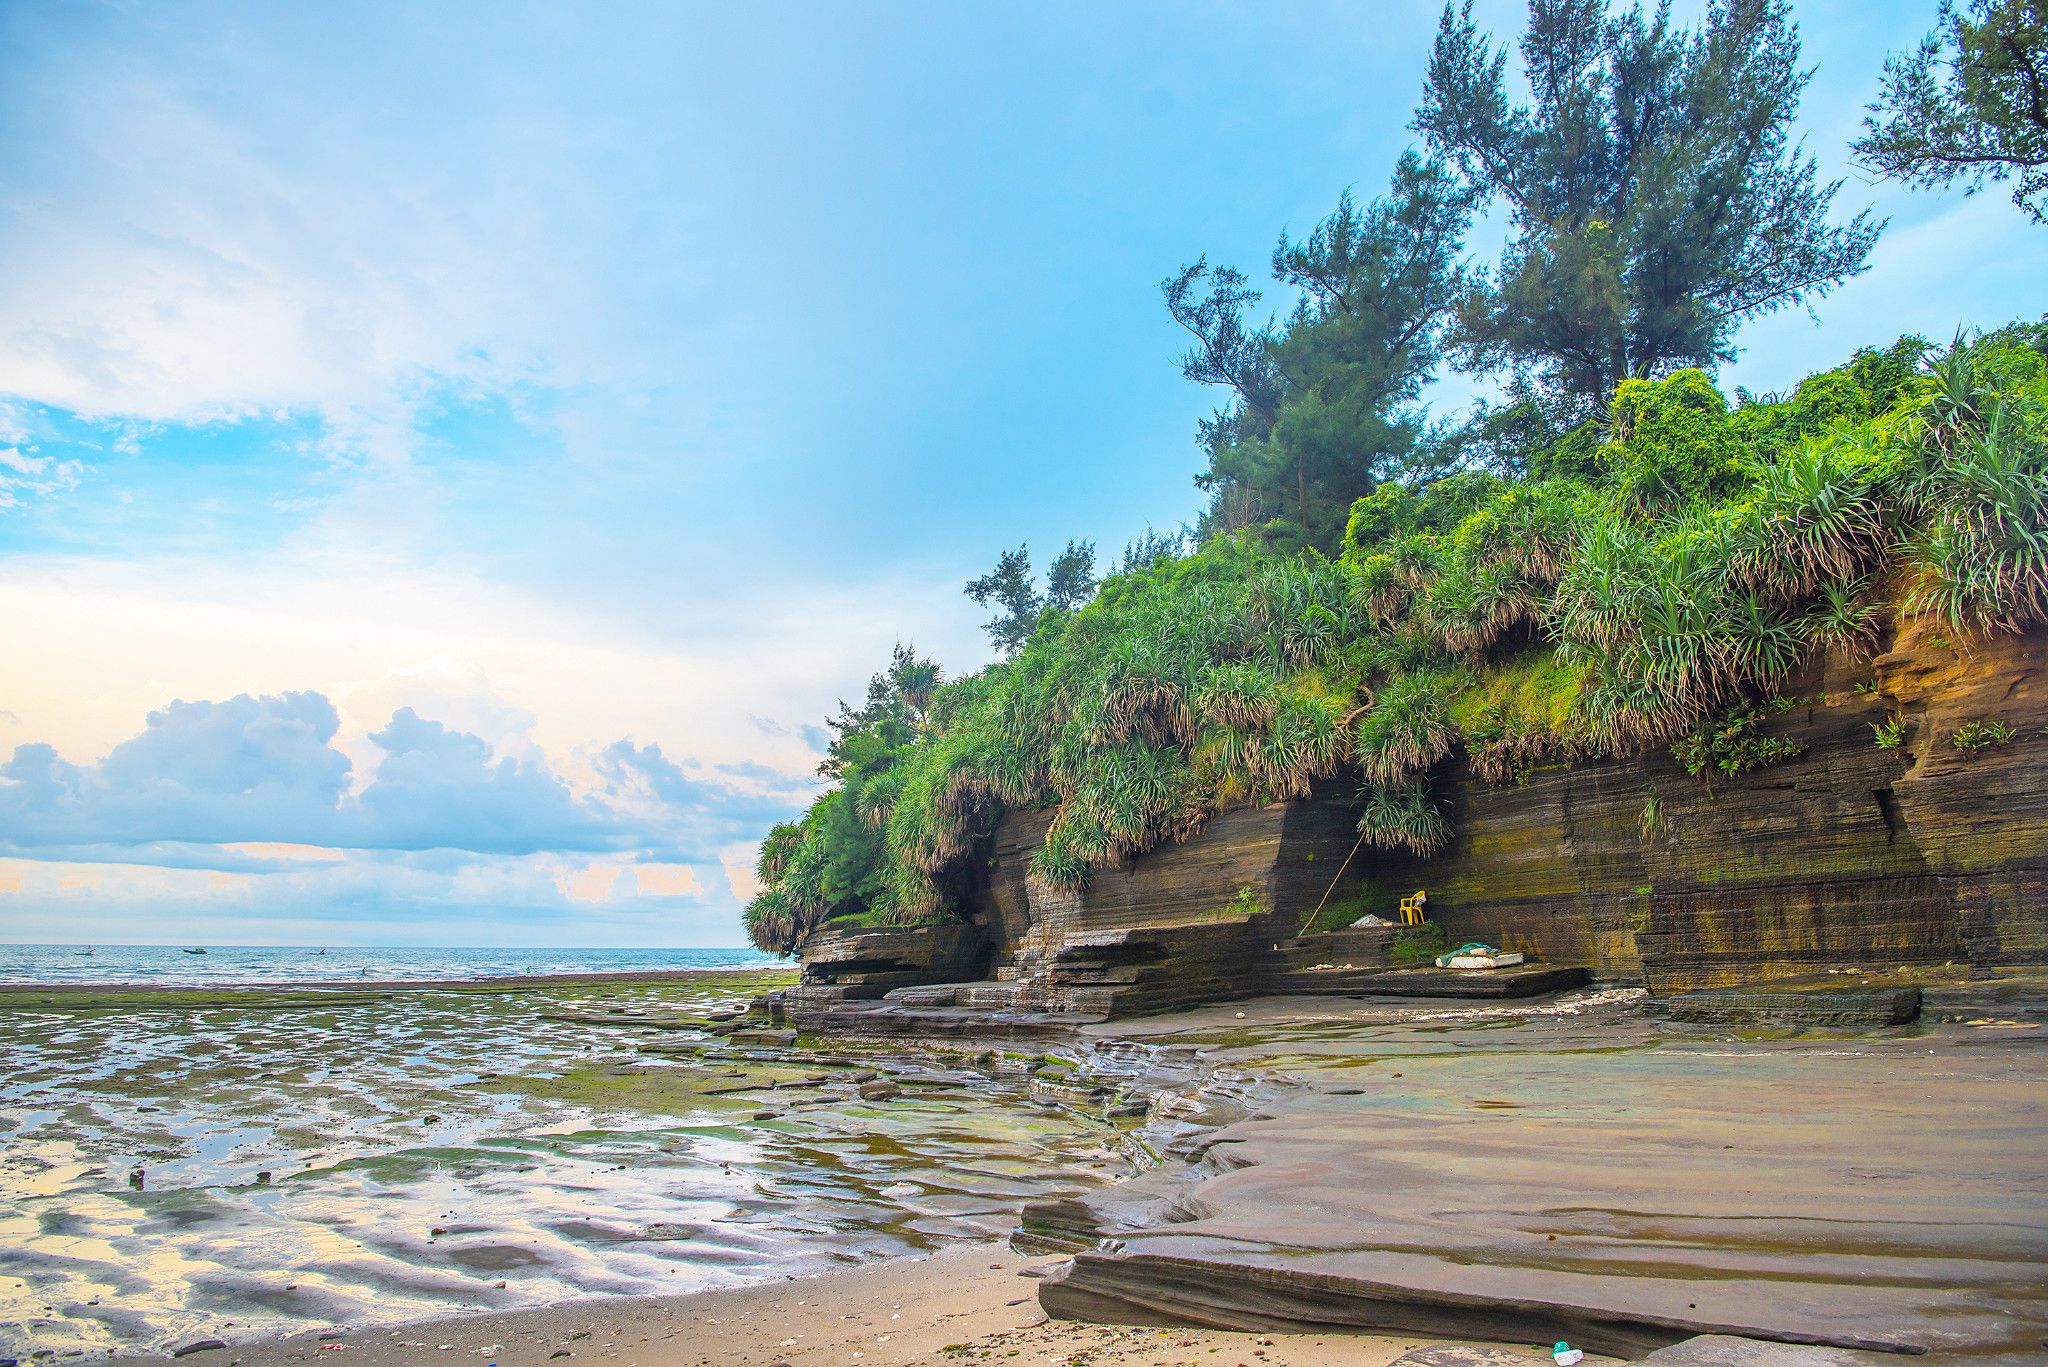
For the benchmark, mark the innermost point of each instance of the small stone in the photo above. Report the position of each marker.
(499, 1285)
(197, 1346)
(560, 1353)
(437, 1231)
(263, 1178)
(879, 1091)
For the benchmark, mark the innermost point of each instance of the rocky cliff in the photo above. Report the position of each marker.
(1849, 855)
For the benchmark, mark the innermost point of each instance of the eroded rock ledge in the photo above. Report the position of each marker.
(1851, 856)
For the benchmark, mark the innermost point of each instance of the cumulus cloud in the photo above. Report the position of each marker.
(254, 769)
(252, 783)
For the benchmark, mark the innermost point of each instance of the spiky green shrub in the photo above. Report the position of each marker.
(1981, 488)
(1402, 817)
(1733, 745)
(1406, 731)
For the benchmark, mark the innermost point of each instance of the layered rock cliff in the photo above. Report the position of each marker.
(1849, 855)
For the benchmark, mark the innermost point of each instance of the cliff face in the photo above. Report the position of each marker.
(1849, 855)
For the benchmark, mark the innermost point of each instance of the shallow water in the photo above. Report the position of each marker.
(437, 1151)
(240, 965)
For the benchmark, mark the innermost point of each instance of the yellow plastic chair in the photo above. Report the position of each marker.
(1411, 908)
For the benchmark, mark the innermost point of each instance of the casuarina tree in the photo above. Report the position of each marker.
(1070, 580)
(1322, 404)
(1970, 104)
(1657, 197)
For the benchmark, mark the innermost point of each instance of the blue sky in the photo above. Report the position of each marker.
(452, 457)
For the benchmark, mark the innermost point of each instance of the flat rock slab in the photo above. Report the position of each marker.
(1797, 1007)
(1529, 980)
(936, 994)
(1726, 1350)
(1519, 1173)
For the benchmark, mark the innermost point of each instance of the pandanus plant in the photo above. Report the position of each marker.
(1408, 729)
(1818, 519)
(1402, 817)
(1983, 557)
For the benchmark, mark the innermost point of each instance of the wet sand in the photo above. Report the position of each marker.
(1474, 1167)
(247, 1165)
(967, 1305)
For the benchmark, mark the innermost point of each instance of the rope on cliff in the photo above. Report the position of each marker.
(1334, 882)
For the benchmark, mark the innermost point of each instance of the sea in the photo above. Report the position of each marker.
(247, 965)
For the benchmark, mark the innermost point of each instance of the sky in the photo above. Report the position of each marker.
(452, 458)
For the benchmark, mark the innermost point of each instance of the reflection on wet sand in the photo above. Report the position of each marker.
(284, 1161)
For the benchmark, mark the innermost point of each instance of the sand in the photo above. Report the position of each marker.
(972, 1304)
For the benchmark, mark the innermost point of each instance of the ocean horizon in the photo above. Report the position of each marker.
(246, 965)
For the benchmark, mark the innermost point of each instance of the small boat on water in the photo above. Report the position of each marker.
(192, 951)
(85, 953)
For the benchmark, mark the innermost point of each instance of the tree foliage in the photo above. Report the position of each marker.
(1321, 405)
(1020, 606)
(1970, 104)
(1657, 197)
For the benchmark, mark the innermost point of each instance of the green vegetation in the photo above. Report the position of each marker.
(1973, 736)
(1416, 945)
(1733, 746)
(1891, 732)
(1621, 558)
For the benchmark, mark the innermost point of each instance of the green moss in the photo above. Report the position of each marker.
(1416, 945)
(1531, 691)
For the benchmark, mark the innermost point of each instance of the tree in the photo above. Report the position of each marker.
(1970, 104)
(898, 708)
(1069, 583)
(1009, 586)
(1657, 199)
(1322, 406)
(1071, 579)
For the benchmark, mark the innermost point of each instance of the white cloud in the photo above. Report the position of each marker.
(23, 476)
(264, 771)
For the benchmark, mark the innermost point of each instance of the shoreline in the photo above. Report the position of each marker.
(969, 1303)
(624, 977)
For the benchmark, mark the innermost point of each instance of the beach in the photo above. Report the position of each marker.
(644, 1173)
(972, 1304)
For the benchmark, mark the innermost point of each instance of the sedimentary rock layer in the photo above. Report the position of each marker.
(1849, 855)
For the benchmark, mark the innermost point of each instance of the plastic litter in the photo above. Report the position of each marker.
(1564, 1355)
(1476, 955)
